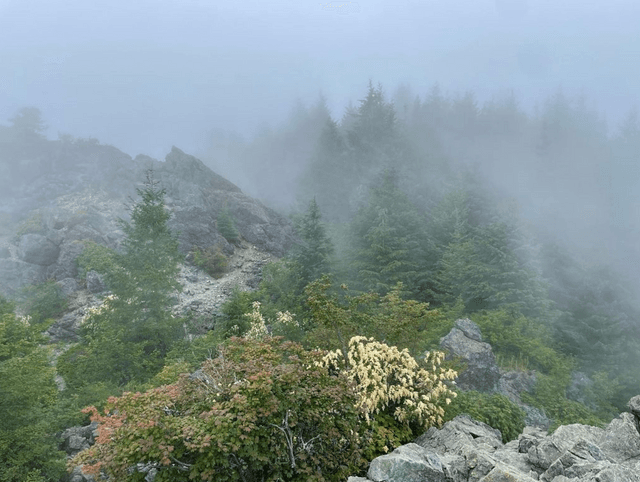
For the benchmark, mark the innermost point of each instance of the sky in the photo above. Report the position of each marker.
(145, 75)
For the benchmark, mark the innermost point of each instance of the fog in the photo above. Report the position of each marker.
(206, 76)
(148, 74)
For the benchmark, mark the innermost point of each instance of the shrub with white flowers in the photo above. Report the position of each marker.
(391, 380)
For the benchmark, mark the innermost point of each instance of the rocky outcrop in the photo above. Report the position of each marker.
(50, 239)
(464, 342)
(465, 450)
(75, 440)
(480, 372)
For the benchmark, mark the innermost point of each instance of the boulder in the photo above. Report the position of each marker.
(481, 372)
(38, 249)
(634, 408)
(621, 440)
(65, 266)
(408, 463)
(465, 450)
(95, 282)
(68, 285)
(15, 273)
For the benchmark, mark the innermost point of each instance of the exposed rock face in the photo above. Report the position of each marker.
(53, 238)
(465, 342)
(465, 450)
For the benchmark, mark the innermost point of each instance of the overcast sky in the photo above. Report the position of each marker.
(145, 75)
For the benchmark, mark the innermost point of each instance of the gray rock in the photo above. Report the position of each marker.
(469, 328)
(621, 440)
(68, 285)
(65, 329)
(76, 439)
(544, 454)
(481, 371)
(4, 252)
(14, 274)
(65, 266)
(37, 249)
(504, 473)
(95, 282)
(634, 408)
(408, 463)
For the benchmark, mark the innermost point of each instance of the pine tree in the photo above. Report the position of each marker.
(388, 240)
(128, 337)
(312, 254)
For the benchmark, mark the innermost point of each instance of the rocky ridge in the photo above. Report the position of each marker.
(465, 450)
(50, 237)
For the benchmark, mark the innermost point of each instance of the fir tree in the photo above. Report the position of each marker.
(388, 240)
(312, 254)
(128, 337)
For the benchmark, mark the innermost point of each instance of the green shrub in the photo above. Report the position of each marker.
(96, 257)
(43, 301)
(226, 226)
(495, 410)
(265, 410)
(211, 260)
(549, 395)
(28, 396)
(515, 337)
(34, 224)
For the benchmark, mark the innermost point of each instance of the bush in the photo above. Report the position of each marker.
(226, 226)
(262, 410)
(211, 260)
(34, 224)
(391, 382)
(548, 394)
(43, 301)
(28, 397)
(495, 410)
(96, 257)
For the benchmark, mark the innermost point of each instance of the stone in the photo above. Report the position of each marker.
(95, 282)
(470, 451)
(469, 328)
(407, 463)
(37, 249)
(621, 440)
(68, 285)
(481, 372)
(634, 408)
(503, 473)
(66, 266)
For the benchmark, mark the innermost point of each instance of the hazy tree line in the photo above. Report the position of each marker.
(415, 189)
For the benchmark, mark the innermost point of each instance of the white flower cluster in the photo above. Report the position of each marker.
(386, 376)
(286, 319)
(97, 310)
(25, 320)
(259, 330)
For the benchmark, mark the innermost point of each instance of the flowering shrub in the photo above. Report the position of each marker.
(389, 380)
(262, 410)
(258, 330)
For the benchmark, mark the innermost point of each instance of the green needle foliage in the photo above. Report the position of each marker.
(127, 338)
(28, 396)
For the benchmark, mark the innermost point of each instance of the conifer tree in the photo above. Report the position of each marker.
(312, 255)
(388, 240)
(127, 338)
